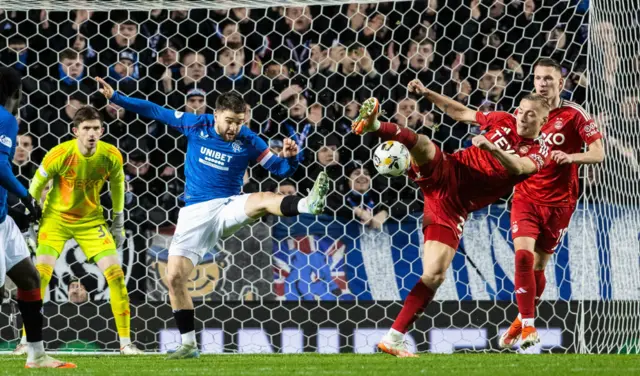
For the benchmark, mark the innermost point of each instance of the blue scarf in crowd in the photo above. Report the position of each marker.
(357, 199)
(66, 79)
(118, 77)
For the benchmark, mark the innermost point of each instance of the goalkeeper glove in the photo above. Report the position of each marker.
(35, 211)
(117, 229)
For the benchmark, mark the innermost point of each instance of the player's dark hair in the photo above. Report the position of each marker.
(86, 113)
(547, 62)
(539, 99)
(10, 85)
(231, 101)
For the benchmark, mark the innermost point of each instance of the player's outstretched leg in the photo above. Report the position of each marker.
(25, 276)
(178, 270)
(422, 149)
(263, 203)
(119, 298)
(436, 261)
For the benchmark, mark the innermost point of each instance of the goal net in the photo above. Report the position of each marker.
(332, 283)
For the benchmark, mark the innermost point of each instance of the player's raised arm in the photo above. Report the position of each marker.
(153, 111)
(282, 167)
(451, 107)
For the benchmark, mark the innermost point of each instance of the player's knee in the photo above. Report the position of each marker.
(433, 278)
(177, 280)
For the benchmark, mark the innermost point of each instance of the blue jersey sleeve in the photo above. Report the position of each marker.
(8, 180)
(281, 167)
(182, 121)
(8, 133)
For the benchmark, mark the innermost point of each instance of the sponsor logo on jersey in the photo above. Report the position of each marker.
(178, 114)
(237, 146)
(6, 141)
(559, 123)
(591, 129)
(556, 139)
(514, 227)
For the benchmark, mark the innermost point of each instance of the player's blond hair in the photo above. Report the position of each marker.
(539, 99)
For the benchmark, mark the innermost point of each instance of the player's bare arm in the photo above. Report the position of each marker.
(451, 107)
(514, 164)
(594, 154)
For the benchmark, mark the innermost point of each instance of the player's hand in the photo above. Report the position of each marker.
(117, 229)
(481, 142)
(561, 157)
(35, 211)
(416, 87)
(106, 89)
(289, 148)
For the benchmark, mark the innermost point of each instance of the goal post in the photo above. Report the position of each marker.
(333, 283)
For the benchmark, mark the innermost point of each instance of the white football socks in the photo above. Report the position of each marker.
(34, 350)
(303, 207)
(189, 339)
(124, 341)
(394, 335)
(528, 322)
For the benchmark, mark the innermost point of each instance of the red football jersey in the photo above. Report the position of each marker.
(490, 179)
(568, 129)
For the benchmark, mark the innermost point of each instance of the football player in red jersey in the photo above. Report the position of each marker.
(457, 184)
(542, 206)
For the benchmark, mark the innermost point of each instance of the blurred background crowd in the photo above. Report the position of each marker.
(304, 71)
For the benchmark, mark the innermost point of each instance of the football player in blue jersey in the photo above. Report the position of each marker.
(219, 149)
(15, 259)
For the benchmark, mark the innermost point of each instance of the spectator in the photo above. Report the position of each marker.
(60, 121)
(195, 103)
(356, 77)
(72, 77)
(287, 188)
(23, 167)
(361, 202)
(231, 75)
(124, 75)
(491, 88)
(124, 36)
(77, 292)
(194, 75)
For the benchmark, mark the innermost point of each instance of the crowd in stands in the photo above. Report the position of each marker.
(304, 71)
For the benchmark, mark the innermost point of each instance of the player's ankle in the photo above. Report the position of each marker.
(375, 125)
(394, 335)
(35, 350)
(125, 341)
(528, 323)
(189, 339)
(291, 206)
(23, 340)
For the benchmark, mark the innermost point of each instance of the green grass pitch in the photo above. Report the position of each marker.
(343, 364)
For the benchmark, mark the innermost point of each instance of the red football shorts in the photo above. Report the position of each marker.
(546, 224)
(444, 214)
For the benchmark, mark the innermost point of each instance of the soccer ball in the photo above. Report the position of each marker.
(391, 158)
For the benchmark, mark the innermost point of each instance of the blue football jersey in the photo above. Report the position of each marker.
(8, 135)
(214, 168)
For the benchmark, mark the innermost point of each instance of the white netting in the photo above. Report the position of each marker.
(613, 323)
(329, 284)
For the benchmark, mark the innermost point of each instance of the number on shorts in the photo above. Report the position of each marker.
(101, 231)
(563, 232)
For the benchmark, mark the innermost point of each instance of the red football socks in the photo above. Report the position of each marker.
(394, 132)
(525, 284)
(417, 300)
(541, 282)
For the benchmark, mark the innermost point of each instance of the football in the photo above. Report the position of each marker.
(391, 158)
